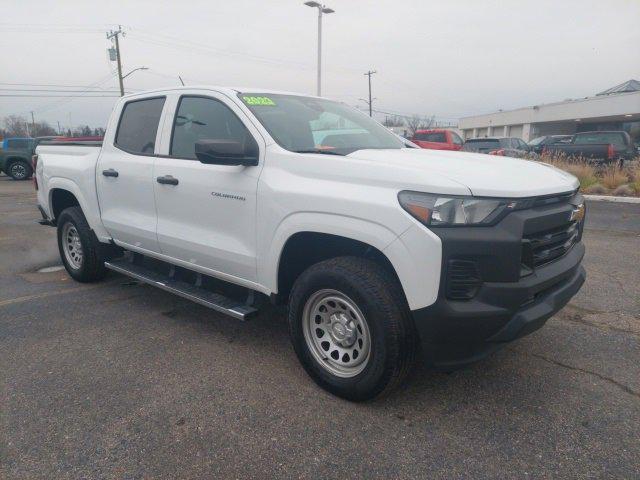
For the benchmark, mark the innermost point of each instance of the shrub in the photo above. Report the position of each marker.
(596, 189)
(613, 177)
(624, 191)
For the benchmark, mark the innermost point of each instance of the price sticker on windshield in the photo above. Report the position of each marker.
(261, 101)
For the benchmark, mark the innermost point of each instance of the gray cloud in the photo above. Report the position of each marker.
(444, 58)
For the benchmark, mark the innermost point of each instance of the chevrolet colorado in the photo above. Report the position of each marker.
(229, 197)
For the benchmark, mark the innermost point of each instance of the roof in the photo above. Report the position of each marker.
(225, 90)
(628, 86)
(432, 130)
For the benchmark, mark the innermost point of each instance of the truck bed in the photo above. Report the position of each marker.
(598, 151)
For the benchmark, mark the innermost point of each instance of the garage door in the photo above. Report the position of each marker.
(482, 132)
(515, 131)
(497, 131)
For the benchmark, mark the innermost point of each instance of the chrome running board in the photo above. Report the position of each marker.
(214, 301)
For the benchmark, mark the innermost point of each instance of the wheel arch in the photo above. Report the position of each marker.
(63, 193)
(305, 248)
(413, 256)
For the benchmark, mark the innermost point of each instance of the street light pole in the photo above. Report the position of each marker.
(134, 70)
(321, 9)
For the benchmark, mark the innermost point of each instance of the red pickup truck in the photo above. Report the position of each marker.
(437, 139)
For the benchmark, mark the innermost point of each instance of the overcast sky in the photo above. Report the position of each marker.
(445, 58)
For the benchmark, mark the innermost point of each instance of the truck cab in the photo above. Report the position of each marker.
(233, 198)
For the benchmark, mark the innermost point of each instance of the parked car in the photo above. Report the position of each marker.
(602, 147)
(437, 139)
(538, 144)
(230, 197)
(504, 146)
(15, 157)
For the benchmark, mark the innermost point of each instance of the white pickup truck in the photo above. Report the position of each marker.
(379, 250)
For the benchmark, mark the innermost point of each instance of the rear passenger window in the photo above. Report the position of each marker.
(436, 137)
(139, 126)
(200, 118)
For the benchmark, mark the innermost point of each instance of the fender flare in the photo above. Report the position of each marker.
(415, 254)
(89, 209)
(374, 234)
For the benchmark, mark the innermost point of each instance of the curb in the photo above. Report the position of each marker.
(608, 198)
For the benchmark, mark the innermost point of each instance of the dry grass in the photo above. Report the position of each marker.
(600, 180)
(634, 174)
(595, 189)
(624, 191)
(613, 177)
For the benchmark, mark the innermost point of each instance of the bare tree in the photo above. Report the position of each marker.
(416, 122)
(16, 126)
(393, 121)
(42, 129)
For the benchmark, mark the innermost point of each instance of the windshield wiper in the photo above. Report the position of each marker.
(317, 150)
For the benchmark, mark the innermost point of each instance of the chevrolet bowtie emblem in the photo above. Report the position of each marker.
(577, 214)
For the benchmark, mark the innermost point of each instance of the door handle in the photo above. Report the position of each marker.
(110, 173)
(167, 180)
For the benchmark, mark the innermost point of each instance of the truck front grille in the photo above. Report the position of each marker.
(544, 247)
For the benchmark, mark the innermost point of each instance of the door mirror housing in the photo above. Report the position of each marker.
(227, 152)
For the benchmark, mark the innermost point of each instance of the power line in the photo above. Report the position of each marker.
(47, 85)
(58, 103)
(58, 96)
(54, 90)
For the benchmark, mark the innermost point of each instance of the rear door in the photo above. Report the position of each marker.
(124, 175)
(207, 216)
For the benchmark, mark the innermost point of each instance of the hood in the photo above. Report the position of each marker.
(483, 175)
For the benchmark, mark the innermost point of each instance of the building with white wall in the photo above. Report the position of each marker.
(617, 108)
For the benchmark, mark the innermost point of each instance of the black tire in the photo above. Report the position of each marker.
(379, 296)
(19, 170)
(91, 267)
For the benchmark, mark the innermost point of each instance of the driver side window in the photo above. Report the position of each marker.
(200, 118)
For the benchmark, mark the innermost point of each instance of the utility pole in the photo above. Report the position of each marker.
(59, 131)
(370, 102)
(33, 123)
(115, 36)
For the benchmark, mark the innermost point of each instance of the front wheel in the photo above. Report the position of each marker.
(79, 248)
(350, 327)
(20, 170)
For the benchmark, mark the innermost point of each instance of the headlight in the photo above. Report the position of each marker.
(439, 210)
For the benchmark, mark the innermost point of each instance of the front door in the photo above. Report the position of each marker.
(207, 213)
(124, 176)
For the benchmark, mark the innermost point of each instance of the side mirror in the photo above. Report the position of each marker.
(227, 152)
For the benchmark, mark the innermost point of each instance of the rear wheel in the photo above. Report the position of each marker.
(19, 170)
(79, 248)
(350, 327)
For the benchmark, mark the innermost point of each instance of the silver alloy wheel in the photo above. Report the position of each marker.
(336, 333)
(18, 171)
(72, 246)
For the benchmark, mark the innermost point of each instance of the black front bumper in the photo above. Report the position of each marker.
(509, 302)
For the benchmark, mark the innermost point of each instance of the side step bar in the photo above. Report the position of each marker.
(215, 301)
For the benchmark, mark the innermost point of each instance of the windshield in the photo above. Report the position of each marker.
(536, 141)
(615, 138)
(305, 124)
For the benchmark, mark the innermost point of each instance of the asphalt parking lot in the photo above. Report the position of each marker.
(120, 380)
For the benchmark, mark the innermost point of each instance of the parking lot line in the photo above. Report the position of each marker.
(37, 296)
